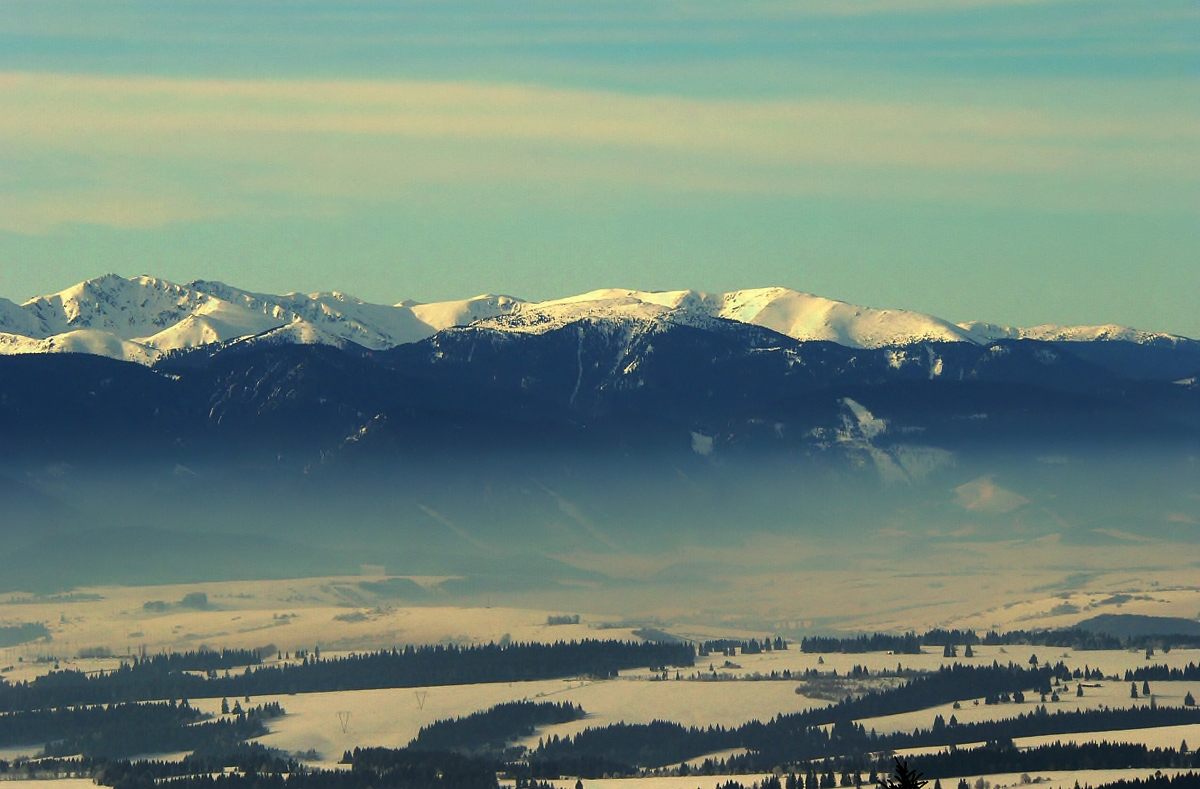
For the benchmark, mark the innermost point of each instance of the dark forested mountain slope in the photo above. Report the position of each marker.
(595, 434)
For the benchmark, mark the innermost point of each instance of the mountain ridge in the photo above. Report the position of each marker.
(142, 319)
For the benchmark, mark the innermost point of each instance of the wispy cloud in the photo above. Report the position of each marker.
(452, 526)
(156, 150)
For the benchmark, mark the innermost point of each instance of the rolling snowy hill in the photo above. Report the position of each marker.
(142, 318)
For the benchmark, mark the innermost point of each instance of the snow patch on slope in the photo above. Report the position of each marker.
(865, 425)
(15, 320)
(90, 341)
(907, 464)
(296, 333)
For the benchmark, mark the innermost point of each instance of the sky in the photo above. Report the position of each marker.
(1020, 162)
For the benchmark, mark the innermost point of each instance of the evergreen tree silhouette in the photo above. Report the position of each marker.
(902, 777)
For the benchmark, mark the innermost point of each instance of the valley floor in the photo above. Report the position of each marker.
(340, 616)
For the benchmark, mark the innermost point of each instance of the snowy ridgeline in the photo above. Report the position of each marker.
(141, 318)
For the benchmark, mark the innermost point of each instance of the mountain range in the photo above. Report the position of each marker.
(143, 318)
(208, 430)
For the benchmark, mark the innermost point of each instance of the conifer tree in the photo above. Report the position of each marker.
(903, 777)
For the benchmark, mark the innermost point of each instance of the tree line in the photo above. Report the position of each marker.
(846, 747)
(246, 757)
(258, 767)
(199, 660)
(493, 729)
(623, 748)
(370, 768)
(957, 682)
(805, 736)
(396, 668)
(907, 644)
(733, 646)
(786, 738)
(910, 643)
(1161, 673)
(120, 730)
(1004, 757)
(851, 742)
(1039, 722)
(15, 635)
(1188, 780)
(1157, 781)
(781, 736)
(627, 750)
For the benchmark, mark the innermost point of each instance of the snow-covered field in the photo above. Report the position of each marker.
(338, 615)
(332, 613)
(1111, 695)
(1161, 737)
(392, 717)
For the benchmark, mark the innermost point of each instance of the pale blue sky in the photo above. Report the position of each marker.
(1019, 162)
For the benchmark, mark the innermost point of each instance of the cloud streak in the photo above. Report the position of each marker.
(156, 150)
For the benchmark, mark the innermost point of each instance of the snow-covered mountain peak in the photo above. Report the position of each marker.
(621, 297)
(801, 316)
(984, 333)
(445, 314)
(804, 316)
(126, 308)
(332, 295)
(142, 317)
(610, 305)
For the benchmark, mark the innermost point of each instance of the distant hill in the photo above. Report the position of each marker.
(1134, 625)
